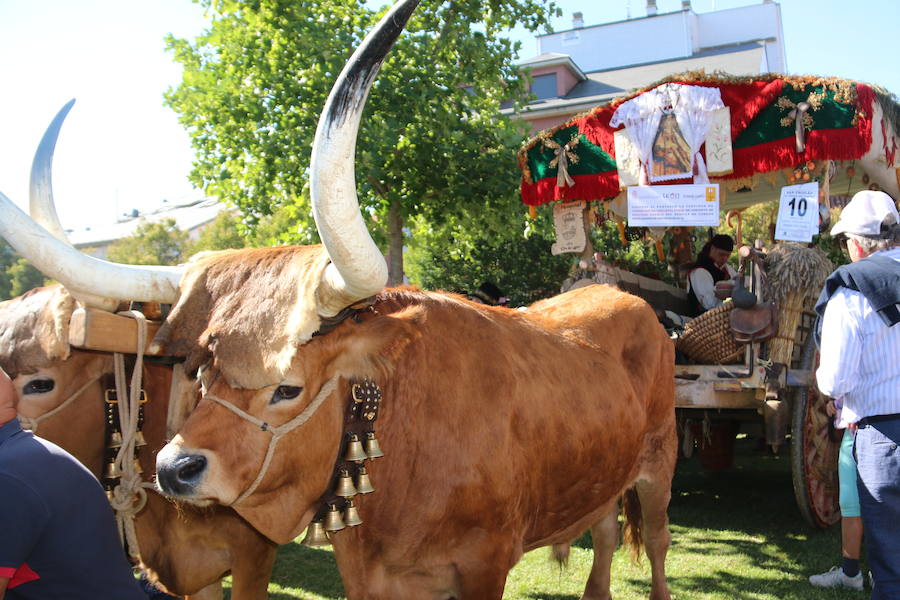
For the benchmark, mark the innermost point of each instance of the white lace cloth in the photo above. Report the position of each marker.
(692, 106)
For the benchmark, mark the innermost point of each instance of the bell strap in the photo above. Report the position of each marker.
(277, 432)
(32, 423)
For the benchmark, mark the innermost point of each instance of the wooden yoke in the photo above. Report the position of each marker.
(93, 329)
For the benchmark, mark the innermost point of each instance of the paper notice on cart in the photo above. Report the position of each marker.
(674, 205)
(569, 225)
(798, 213)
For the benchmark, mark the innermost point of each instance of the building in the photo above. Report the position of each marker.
(577, 69)
(190, 216)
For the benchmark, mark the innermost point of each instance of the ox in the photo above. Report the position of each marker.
(185, 549)
(503, 430)
(61, 394)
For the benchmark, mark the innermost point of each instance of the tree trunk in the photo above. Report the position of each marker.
(395, 247)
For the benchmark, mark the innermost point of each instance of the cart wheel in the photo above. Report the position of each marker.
(814, 454)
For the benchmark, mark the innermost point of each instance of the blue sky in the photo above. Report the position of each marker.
(121, 148)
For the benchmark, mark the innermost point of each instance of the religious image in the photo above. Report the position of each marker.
(671, 152)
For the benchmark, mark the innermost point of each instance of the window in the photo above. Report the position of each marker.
(544, 86)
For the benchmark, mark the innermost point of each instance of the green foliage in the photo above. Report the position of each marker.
(17, 275)
(254, 85)
(224, 232)
(460, 257)
(159, 243)
(7, 259)
(23, 276)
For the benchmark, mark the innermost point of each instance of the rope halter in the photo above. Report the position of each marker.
(33, 422)
(277, 432)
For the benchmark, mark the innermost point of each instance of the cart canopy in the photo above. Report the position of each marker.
(838, 120)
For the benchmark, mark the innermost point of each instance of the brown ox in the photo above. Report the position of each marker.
(504, 430)
(187, 550)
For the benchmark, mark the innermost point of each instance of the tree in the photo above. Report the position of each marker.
(432, 143)
(460, 255)
(7, 259)
(222, 233)
(17, 275)
(23, 276)
(153, 243)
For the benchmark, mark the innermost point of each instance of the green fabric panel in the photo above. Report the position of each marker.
(767, 127)
(591, 159)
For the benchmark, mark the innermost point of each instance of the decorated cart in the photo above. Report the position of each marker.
(664, 163)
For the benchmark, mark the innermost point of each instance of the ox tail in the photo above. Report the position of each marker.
(633, 529)
(560, 553)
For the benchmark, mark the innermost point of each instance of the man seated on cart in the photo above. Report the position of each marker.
(704, 288)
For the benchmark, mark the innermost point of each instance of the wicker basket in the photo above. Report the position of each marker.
(708, 338)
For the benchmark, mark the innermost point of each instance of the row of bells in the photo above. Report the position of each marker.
(317, 533)
(357, 453)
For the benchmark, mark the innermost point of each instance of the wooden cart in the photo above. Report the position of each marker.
(777, 130)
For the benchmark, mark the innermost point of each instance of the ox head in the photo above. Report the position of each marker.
(54, 383)
(266, 434)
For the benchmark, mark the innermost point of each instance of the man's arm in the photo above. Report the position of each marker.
(841, 348)
(3, 582)
(704, 288)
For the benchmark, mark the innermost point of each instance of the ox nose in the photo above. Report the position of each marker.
(179, 476)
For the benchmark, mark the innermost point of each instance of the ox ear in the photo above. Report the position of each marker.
(34, 329)
(372, 347)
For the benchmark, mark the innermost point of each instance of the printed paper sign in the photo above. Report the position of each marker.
(798, 213)
(569, 225)
(694, 205)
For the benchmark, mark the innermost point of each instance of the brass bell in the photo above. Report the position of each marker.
(355, 450)
(137, 467)
(115, 440)
(112, 471)
(345, 487)
(373, 450)
(363, 483)
(315, 535)
(351, 515)
(333, 521)
(139, 439)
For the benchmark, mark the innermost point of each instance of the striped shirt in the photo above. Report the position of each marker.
(860, 356)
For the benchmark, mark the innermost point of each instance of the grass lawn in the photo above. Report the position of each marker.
(736, 534)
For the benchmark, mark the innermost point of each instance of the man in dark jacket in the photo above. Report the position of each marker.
(58, 535)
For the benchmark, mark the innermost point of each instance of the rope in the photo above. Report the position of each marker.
(130, 496)
(32, 423)
(277, 432)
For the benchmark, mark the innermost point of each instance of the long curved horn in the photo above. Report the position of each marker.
(80, 272)
(357, 268)
(91, 280)
(40, 192)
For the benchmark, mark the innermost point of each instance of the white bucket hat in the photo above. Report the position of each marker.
(864, 213)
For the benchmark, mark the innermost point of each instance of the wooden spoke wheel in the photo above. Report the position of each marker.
(814, 450)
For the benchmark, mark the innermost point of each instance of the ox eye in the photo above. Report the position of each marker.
(38, 386)
(285, 392)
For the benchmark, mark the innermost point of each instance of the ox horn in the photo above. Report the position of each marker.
(357, 269)
(92, 280)
(40, 198)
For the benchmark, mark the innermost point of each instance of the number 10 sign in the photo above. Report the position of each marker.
(798, 213)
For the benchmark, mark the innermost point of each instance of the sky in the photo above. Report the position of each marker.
(121, 149)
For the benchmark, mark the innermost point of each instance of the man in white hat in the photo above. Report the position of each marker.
(859, 312)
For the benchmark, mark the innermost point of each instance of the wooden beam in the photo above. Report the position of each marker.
(92, 329)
